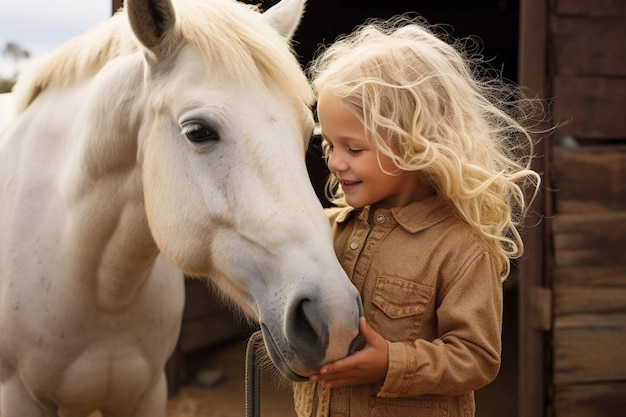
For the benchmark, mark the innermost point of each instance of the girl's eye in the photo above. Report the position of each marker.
(354, 151)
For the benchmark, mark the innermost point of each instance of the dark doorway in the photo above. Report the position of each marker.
(496, 22)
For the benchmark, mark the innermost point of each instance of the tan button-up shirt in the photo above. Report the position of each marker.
(431, 289)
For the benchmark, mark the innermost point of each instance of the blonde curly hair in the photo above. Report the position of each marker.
(432, 107)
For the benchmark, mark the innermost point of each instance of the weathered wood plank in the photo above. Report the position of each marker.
(589, 348)
(588, 50)
(590, 8)
(589, 300)
(590, 239)
(589, 46)
(590, 400)
(594, 107)
(586, 206)
(589, 179)
(591, 276)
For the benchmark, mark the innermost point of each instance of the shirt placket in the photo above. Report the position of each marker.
(352, 254)
(383, 224)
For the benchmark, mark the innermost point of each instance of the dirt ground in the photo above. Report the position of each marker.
(227, 397)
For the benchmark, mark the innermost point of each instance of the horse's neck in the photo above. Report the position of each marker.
(109, 224)
(104, 196)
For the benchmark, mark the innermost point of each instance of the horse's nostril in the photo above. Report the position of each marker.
(308, 332)
(305, 328)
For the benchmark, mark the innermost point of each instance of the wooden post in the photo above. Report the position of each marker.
(534, 314)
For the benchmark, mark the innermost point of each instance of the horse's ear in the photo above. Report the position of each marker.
(151, 21)
(285, 16)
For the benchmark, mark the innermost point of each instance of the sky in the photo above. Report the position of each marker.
(39, 26)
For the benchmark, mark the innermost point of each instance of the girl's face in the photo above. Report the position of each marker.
(354, 161)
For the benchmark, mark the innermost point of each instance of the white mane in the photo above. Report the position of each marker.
(233, 35)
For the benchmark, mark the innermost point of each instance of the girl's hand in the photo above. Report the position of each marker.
(367, 366)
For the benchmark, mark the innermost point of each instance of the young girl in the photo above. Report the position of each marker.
(428, 168)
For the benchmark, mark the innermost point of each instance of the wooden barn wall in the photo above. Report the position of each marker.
(587, 54)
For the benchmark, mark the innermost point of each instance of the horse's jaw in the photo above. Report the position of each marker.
(278, 359)
(310, 329)
(299, 371)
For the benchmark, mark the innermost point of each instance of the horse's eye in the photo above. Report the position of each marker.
(197, 132)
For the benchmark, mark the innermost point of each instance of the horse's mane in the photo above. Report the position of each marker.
(224, 31)
(76, 60)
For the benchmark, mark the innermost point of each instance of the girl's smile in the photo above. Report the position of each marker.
(348, 186)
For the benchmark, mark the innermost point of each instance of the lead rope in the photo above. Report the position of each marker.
(253, 375)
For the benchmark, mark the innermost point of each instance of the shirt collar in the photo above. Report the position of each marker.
(415, 217)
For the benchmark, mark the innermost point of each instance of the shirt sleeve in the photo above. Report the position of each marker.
(466, 354)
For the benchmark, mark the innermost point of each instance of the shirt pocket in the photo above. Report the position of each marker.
(402, 304)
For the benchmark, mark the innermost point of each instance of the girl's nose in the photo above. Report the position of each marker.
(335, 163)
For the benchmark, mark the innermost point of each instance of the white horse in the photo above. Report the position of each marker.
(171, 138)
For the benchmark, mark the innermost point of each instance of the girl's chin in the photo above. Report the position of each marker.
(354, 203)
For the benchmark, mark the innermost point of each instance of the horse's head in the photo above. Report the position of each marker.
(222, 140)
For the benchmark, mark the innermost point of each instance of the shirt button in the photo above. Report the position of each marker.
(380, 218)
(354, 245)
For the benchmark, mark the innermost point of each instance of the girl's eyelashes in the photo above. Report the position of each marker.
(330, 147)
